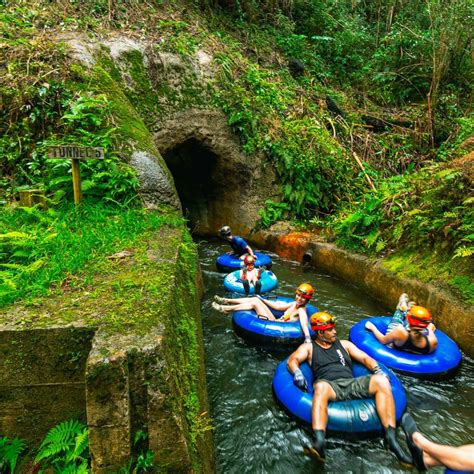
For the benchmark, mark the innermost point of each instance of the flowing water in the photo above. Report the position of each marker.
(253, 435)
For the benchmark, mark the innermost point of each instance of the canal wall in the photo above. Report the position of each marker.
(123, 353)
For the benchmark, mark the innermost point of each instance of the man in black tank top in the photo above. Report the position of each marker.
(331, 363)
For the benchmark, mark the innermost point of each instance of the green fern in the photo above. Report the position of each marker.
(81, 445)
(463, 252)
(10, 450)
(73, 469)
(64, 446)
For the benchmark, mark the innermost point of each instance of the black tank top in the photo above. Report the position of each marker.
(410, 347)
(331, 364)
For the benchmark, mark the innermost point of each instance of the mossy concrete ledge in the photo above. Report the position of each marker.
(451, 316)
(123, 352)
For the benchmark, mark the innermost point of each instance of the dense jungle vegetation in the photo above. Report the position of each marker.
(363, 108)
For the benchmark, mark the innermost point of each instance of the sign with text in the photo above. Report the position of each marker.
(74, 152)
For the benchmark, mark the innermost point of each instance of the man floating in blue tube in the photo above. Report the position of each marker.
(330, 360)
(238, 244)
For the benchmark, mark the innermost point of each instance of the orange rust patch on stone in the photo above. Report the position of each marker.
(293, 245)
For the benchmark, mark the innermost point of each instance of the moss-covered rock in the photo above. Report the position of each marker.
(145, 368)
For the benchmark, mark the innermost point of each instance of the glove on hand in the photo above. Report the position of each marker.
(378, 371)
(299, 380)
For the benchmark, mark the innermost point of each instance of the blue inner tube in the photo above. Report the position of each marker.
(260, 331)
(452, 471)
(232, 282)
(229, 263)
(352, 416)
(441, 363)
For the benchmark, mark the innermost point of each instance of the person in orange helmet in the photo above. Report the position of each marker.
(418, 338)
(251, 275)
(330, 360)
(293, 311)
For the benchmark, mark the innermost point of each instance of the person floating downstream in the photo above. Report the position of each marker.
(251, 275)
(330, 360)
(427, 454)
(238, 244)
(293, 310)
(418, 338)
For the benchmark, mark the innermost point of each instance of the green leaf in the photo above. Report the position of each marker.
(463, 252)
(10, 450)
(372, 237)
(15, 235)
(21, 254)
(59, 440)
(380, 245)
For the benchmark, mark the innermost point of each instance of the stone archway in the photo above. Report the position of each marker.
(216, 182)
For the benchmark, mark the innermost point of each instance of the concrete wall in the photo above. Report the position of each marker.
(42, 379)
(125, 355)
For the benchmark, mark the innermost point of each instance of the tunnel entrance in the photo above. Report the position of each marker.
(194, 169)
(217, 183)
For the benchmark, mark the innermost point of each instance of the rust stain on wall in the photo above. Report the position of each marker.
(292, 246)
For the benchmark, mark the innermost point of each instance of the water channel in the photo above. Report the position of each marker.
(253, 435)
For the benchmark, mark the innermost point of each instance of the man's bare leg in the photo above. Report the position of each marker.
(459, 458)
(379, 386)
(323, 394)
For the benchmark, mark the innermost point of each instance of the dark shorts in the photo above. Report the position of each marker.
(350, 389)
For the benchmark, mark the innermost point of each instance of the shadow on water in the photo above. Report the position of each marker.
(253, 435)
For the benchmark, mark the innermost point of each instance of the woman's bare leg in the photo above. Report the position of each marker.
(246, 304)
(235, 301)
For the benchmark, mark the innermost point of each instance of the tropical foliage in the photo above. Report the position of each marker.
(65, 450)
(379, 94)
(10, 450)
(41, 248)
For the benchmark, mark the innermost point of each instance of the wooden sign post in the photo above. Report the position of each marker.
(75, 154)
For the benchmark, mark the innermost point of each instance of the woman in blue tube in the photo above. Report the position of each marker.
(293, 310)
(251, 275)
(419, 338)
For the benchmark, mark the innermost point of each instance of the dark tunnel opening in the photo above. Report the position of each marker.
(193, 167)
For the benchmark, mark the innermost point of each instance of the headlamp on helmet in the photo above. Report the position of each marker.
(321, 321)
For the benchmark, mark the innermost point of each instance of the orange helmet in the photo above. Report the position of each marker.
(305, 290)
(249, 260)
(322, 321)
(419, 316)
